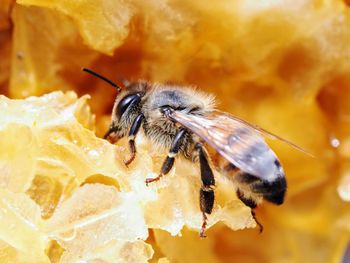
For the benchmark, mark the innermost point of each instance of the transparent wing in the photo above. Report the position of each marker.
(236, 140)
(268, 134)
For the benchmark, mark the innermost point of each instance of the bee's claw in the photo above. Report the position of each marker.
(204, 226)
(201, 234)
(261, 227)
(151, 180)
(130, 160)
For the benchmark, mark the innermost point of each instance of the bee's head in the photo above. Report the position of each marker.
(126, 106)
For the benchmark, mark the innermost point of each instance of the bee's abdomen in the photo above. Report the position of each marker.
(273, 192)
(276, 191)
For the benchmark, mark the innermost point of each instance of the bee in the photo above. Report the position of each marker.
(184, 121)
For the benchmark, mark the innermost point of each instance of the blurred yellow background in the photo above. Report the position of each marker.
(281, 64)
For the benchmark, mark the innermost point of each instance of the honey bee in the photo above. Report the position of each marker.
(184, 121)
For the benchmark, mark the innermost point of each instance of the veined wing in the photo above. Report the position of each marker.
(267, 133)
(236, 140)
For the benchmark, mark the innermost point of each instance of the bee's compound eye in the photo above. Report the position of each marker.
(126, 102)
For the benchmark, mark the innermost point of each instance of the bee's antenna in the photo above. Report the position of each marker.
(103, 78)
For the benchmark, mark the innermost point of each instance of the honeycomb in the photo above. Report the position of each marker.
(65, 193)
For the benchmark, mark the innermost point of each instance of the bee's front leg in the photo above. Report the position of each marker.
(207, 195)
(135, 127)
(170, 159)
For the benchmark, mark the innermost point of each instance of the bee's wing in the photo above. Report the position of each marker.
(237, 141)
(267, 133)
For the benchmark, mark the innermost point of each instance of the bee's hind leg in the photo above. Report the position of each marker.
(134, 129)
(170, 159)
(261, 227)
(252, 204)
(206, 192)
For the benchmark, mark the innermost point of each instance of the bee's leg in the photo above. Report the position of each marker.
(261, 227)
(252, 204)
(170, 159)
(206, 192)
(135, 127)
